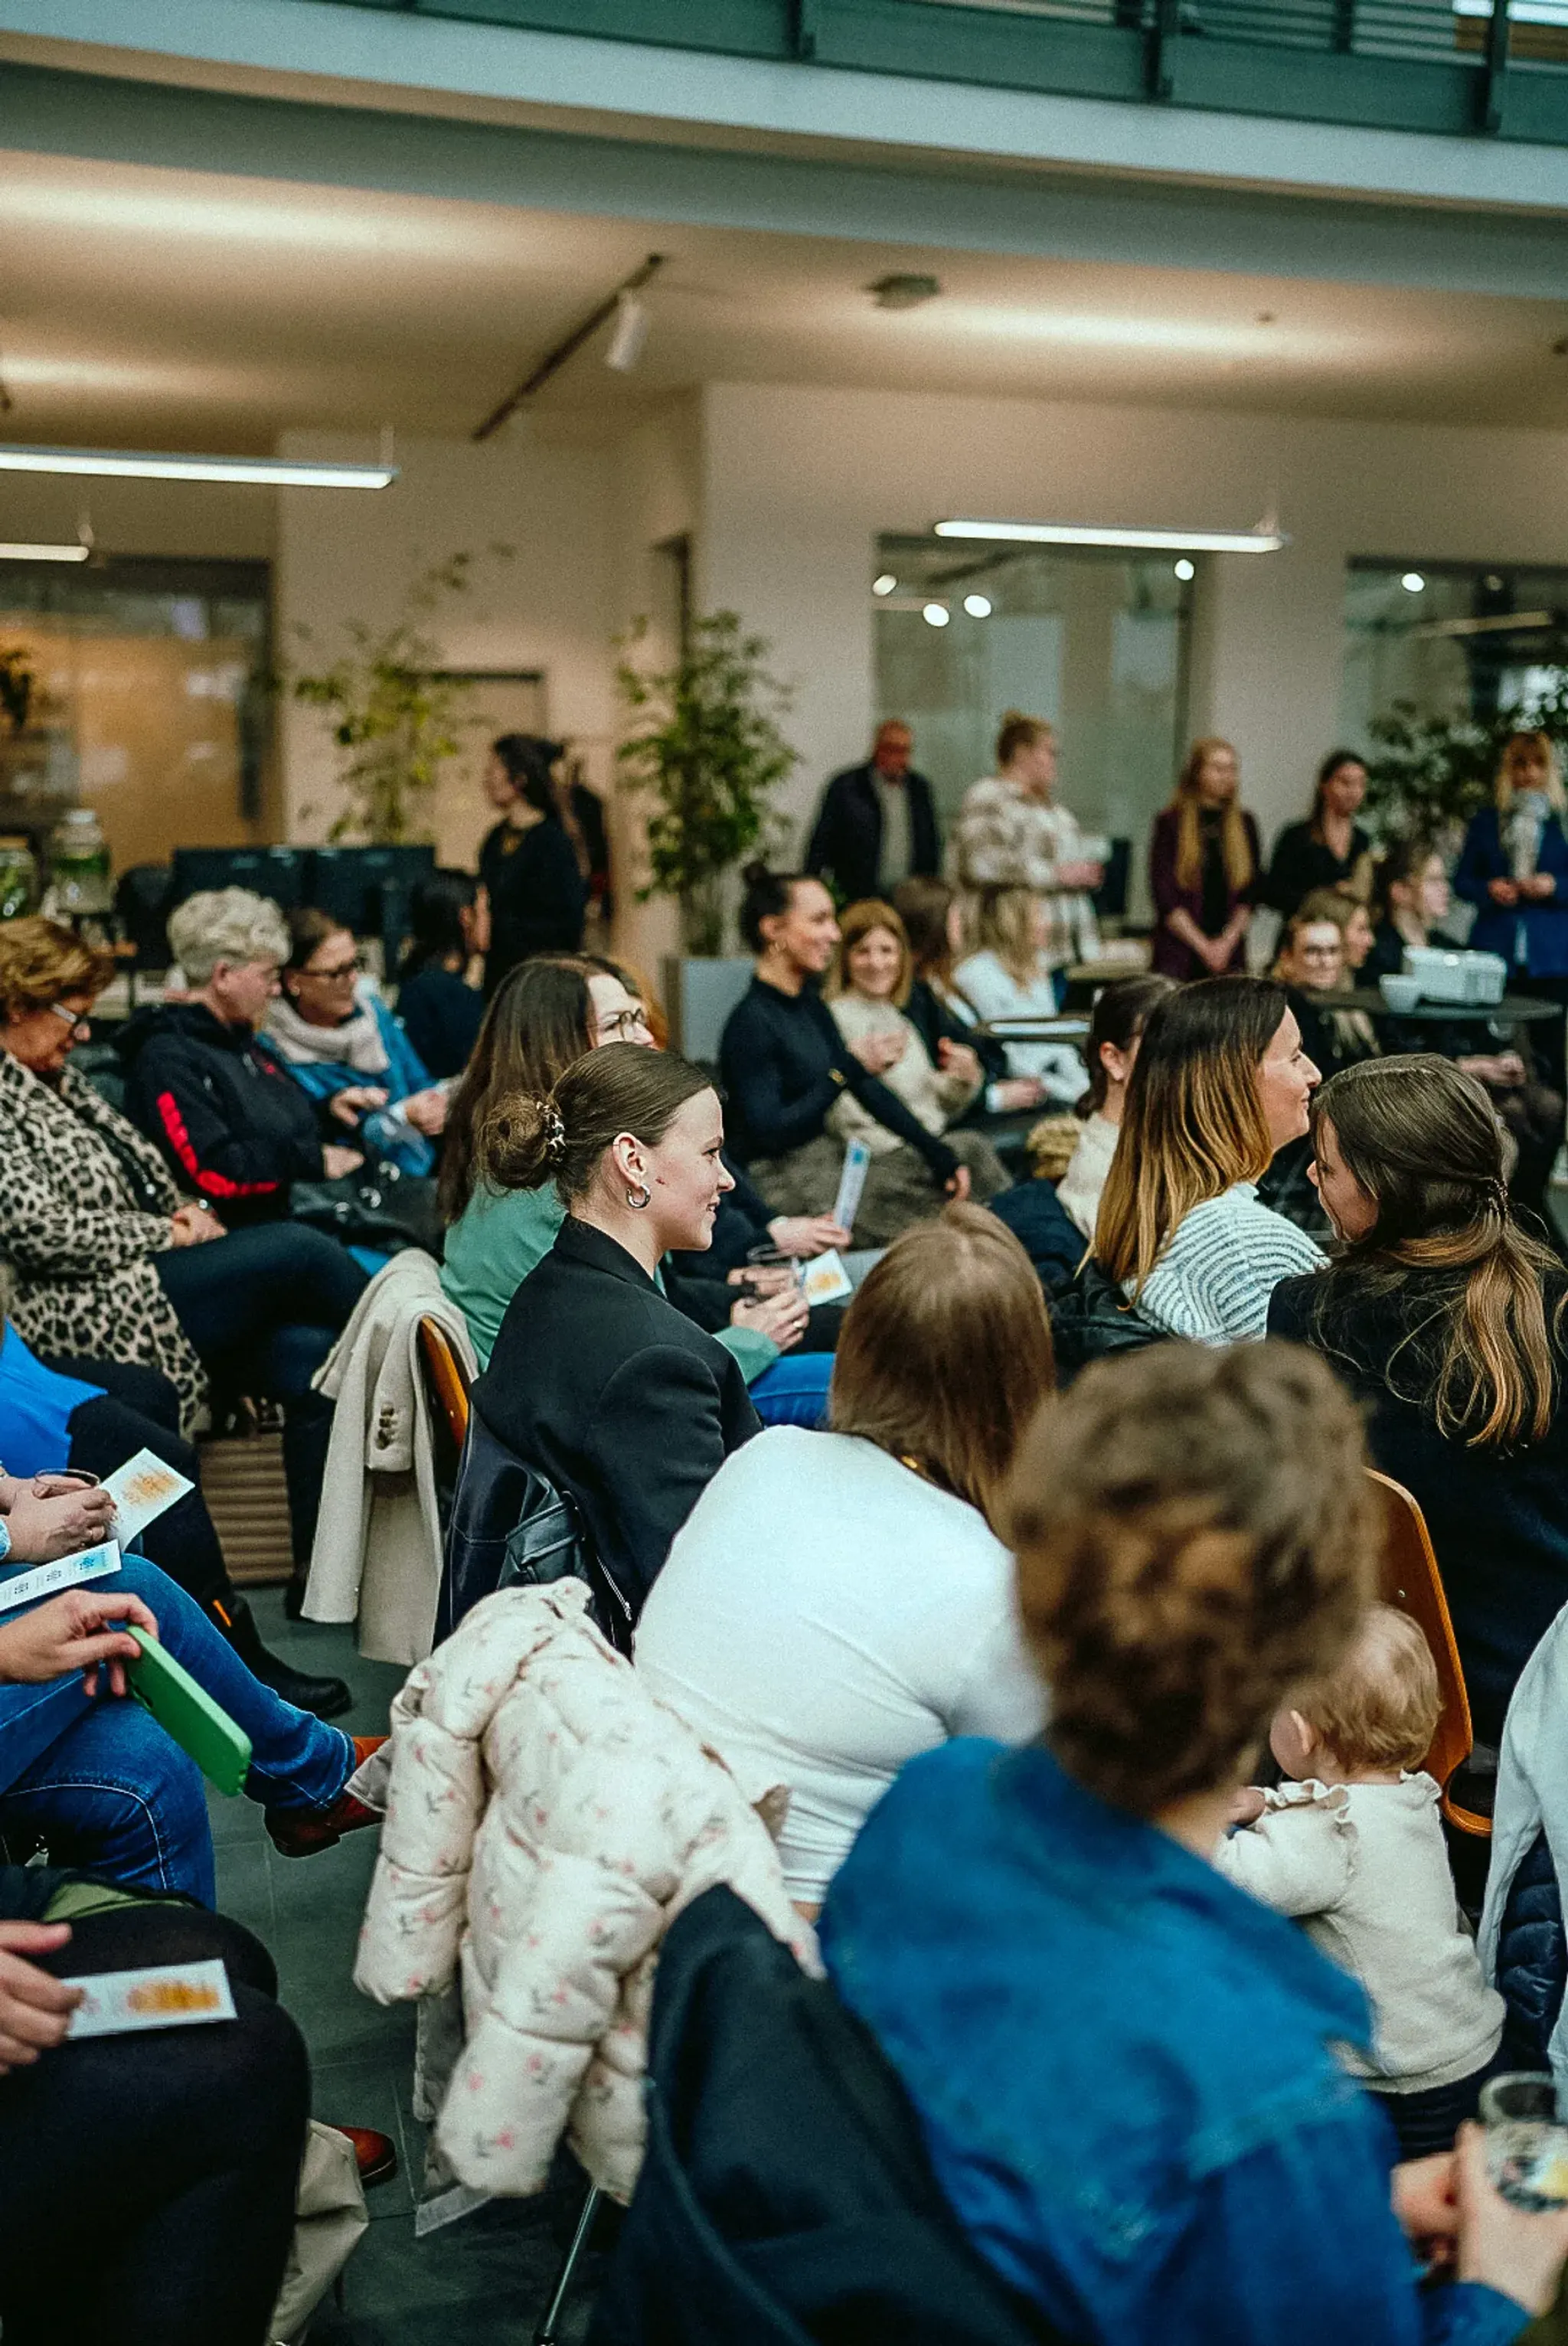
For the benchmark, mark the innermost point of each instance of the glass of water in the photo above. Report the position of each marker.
(770, 1272)
(1526, 2141)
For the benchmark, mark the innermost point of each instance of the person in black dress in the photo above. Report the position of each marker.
(528, 863)
(1446, 1319)
(1329, 850)
(597, 1381)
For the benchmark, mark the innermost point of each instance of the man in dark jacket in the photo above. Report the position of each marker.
(876, 824)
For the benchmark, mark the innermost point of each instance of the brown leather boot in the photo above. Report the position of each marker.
(300, 1832)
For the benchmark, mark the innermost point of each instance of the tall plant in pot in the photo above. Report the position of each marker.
(705, 747)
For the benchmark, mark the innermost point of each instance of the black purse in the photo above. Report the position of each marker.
(377, 1206)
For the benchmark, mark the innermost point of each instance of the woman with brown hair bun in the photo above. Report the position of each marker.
(1124, 2069)
(1203, 868)
(596, 1381)
(840, 1601)
(1447, 1319)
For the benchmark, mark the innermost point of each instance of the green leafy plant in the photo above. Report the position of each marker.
(394, 716)
(705, 746)
(17, 683)
(1433, 773)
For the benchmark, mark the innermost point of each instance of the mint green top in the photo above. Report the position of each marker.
(496, 1241)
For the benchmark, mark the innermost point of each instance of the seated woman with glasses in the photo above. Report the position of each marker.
(341, 1044)
(113, 1262)
(547, 1013)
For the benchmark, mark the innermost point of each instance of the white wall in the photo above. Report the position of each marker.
(796, 484)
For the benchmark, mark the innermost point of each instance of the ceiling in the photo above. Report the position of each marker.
(141, 306)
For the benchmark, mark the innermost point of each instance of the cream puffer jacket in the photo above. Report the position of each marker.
(547, 1819)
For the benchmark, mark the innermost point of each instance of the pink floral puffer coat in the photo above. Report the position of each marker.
(547, 1819)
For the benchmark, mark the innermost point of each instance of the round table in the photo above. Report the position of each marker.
(1514, 1010)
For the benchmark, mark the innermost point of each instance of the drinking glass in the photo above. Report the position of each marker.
(770, 1272)
(1526, 2142)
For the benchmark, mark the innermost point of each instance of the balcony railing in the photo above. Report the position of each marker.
(1462, 67)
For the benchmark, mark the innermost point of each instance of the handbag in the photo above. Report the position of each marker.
(377, 1205)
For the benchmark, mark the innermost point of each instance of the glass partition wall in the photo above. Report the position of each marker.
(1096, 642)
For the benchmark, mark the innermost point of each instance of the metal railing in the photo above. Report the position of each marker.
(1457, 66)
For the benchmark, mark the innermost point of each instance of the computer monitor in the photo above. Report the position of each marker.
(368, 889)
(275, 871)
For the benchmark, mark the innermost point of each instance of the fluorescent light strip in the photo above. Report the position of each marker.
(267, 472)
(1163, 541)
(44, 553)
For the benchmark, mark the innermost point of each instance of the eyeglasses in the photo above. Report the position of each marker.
(623, 1023)
(80, 1025)
(340, 969)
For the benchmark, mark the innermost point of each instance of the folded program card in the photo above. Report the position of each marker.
(163, 1995)
(48, 1579)
(142, 1490)
(825, 1280)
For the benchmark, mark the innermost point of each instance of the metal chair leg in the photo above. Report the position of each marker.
(545, 2333)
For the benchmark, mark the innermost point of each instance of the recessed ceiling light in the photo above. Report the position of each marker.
(978, 606)
(1412, 582)
(1267, 540)
(129, 465)
(45, 553)
(936, 614)
(885, 584)
(1185, 569)
(903, 293)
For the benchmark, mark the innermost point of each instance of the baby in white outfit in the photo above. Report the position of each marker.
(1353, 1849)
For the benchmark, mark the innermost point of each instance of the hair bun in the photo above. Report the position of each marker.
(756, 874)
(1014, 716)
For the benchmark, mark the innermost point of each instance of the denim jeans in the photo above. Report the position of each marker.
(110, 1791)
(794, 1390)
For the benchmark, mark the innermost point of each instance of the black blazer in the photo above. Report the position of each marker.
(848, 838)
(614, 1396)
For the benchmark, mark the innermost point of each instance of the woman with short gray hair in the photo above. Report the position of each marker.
(226, 924)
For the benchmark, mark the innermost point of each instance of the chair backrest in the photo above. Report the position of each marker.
(1410, 1580)
(448, 1378)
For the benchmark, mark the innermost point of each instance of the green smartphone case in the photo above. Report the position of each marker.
(187, 1712)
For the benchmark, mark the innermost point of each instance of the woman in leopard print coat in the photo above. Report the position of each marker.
(85, 1205)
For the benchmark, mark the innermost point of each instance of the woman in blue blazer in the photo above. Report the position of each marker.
(1514, 867)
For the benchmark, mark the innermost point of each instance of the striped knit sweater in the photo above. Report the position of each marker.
(1221, 1265)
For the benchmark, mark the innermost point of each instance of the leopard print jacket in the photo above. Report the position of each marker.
(85, 1206)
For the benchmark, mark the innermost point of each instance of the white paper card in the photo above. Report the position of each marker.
(163, 1995)
(824, 1279)
(144, 1488)
(851, 1181)
(48, 1579)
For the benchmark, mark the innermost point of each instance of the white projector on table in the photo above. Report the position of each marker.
(1467, 977)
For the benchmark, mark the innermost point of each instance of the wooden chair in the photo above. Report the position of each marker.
(448, 1380)
(1410, 1580)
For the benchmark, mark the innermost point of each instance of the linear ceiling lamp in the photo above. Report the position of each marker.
(129, 465)
(44, 553)
(1266, 539)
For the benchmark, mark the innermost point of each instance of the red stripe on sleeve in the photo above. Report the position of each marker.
(212, 1184)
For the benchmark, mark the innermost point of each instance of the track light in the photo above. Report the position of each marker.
(129, 465)
(1265, 540)
(45, 553)
(631, 333)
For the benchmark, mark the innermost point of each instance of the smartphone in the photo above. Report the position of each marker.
(187, 1712)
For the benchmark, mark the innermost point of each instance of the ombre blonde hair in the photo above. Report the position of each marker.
(1007, 921)
(1545, 746)
(856, 922)
(1192, 1123)
(1239, 868)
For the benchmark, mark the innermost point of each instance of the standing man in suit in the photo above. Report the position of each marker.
(876, 825)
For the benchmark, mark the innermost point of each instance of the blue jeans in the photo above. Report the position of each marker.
(111, 1792)
(794, 1391)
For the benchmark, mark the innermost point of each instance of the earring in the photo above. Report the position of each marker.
(640, 1198)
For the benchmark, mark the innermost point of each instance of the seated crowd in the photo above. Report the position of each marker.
(1027, 1585)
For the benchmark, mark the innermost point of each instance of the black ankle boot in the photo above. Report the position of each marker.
(328, 1698)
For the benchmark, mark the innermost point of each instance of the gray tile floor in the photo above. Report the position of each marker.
(486, 2278)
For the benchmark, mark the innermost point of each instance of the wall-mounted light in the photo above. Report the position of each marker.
(936, 614)
(630, 335)
(1264, 540)
(904, 292)
(1186, 570)
(978, 606)
(129, 465)
(885, 584)
(45, 553)
(1413, 583)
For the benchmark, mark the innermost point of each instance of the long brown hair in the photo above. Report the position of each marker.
(1238, 846)
(540, 1019)
(858, 921)
(562, 1136)
(945, 1353)
(922, 905)
(1122, 1010)
(1422, 1140)
(1193, 1124)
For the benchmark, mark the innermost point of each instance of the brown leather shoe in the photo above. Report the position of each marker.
(300, 1832)
(375, 2155)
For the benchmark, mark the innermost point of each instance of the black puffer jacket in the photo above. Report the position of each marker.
(234, 1126)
